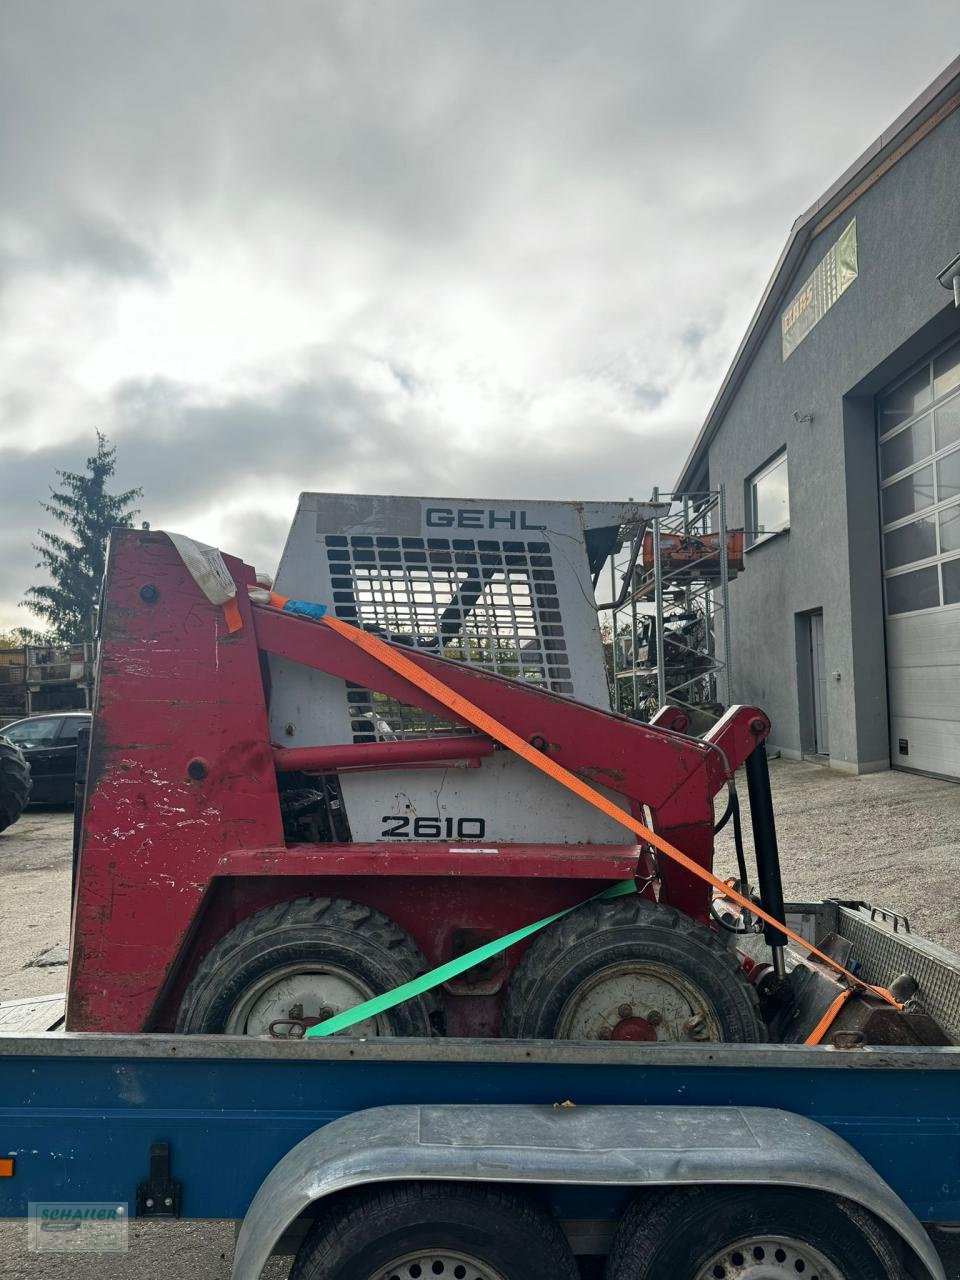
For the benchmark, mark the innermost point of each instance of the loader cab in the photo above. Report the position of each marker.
(506, 586)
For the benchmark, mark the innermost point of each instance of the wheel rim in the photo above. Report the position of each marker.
(637, 1000)
(769, 1258)
(446, 1264)
(317, 991)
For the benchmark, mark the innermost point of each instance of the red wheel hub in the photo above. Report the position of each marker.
(634, 1029)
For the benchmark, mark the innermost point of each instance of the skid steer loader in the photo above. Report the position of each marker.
(280, 824)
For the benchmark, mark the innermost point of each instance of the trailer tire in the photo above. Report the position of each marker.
(337, 941)
(15, 783)
(575, 979)
(702, 1232)
(434, 1229)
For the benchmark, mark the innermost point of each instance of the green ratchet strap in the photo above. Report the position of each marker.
(453, 968)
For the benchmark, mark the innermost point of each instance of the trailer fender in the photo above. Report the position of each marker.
(572, 1145)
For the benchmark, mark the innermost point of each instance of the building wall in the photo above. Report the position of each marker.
(908, 228)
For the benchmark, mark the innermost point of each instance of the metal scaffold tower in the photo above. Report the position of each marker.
(670, 596)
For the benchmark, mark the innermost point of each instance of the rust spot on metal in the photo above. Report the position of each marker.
(599, 774)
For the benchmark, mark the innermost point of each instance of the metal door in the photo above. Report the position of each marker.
(818, 674)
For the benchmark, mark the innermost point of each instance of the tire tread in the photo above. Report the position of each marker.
(554, 944)
(657, 1217)
(15, 783)
(338, 913)
(352, 1211)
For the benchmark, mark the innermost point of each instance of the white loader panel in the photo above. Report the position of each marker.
(502, 585)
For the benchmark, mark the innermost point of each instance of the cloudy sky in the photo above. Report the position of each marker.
(477, 247)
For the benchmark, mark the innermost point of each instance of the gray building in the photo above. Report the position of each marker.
(836, 436)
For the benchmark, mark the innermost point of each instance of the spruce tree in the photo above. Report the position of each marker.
(75, 558)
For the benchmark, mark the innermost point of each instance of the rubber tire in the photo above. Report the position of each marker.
(333, 930)
(672, 1233)
(601, 933)
(363, 1231)
(15, 783)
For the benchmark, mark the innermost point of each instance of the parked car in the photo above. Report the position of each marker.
(49, 744)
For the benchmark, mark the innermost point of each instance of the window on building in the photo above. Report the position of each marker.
(918, 423)
(769, 499)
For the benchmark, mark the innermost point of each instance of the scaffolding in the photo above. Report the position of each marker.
(669, 596)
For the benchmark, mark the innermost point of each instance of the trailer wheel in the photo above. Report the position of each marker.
(631, 970)
(15, 783)
(306, 959)
(779, 1233)
(423, 1229)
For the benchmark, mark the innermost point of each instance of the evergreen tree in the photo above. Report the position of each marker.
(75, 559)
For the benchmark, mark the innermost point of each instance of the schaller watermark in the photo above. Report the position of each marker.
(75, 1226)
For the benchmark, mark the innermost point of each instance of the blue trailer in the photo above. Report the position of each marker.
(491, 1160)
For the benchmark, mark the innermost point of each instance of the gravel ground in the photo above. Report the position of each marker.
(34, 901)
(891, 838)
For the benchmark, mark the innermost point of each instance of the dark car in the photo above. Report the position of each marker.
(49, 744)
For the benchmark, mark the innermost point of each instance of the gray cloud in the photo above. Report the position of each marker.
(435, 244)
(311, 434)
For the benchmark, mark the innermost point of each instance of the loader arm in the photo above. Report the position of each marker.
(675, 777)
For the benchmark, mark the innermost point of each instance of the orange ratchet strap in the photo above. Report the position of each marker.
(231, 613)
(467, 711)
(830, 1014)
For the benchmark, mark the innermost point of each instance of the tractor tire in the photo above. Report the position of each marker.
(778, 1232)
(631, 970)
(323, 954)
(430, 1229)
(15, 783)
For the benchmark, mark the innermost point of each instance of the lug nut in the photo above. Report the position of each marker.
(625, 1011)
(604, 1033)
(654, 1017)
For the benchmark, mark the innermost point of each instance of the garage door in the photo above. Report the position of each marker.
(918, 425)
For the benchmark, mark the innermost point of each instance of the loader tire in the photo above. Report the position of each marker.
(15, 784)
(322, 954)
(631, 970)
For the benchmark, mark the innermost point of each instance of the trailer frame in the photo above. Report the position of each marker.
(252, 1123)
